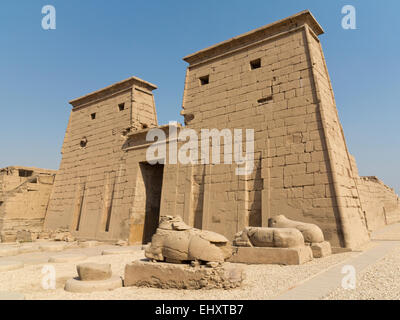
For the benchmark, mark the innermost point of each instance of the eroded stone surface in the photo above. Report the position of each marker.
(24, 236)
(89, 244)
(182, 276)
(28, 248)
(269, 237)
(174, 241)
(311, 232)
(75, 285)
(8, 251)
(24, 196)
(265, 255)
(94, 271)
(321, 249)
(52, 247)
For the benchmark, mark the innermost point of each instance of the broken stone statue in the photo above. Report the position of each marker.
(269, 237)
(313, 235)
(176, 242)
(256, 245)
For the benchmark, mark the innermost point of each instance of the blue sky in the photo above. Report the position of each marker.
(97, 43)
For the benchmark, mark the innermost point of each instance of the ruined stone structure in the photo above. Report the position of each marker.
(24, 196)
(380, 203)
(273, 80)
(176, 242)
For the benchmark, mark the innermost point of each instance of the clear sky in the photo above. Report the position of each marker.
(97, 43)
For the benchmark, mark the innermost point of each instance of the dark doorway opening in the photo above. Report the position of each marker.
(153, 179)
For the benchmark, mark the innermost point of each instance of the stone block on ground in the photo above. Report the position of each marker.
(28, 248)
(10, 265)
(89, 244)
(321, 249)
(78, 286)
(63, 236)
(72, 245)
(62, 258)
(52, 247)
(182, 276)
(266, 255)
(9, 251)
(122, 243)
(94, 271)
(336, 250)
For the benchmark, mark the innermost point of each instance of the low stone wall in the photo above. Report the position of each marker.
(379, 202)
(24, 197)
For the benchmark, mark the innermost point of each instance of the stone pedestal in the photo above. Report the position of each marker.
(8, 251)
(321, 249)
(93, 277)
(94, 271)
(182, 276)
(76, 285)
(266, 255)
(52, 246)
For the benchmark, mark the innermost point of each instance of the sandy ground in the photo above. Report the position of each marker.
(379, 281)
(262, 281)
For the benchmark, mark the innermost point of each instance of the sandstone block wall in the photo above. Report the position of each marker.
(24, 196)
(302, 167)
(92, 192)
(273, 80)
(380, 203)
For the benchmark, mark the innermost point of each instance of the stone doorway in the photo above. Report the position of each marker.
(146, 209)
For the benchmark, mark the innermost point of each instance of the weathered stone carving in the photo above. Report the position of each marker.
(176, 242)
(255, 245)
(269, 237)
(94, 271)
(311, 232)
